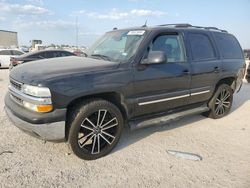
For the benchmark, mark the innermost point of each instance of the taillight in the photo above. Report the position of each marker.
(15, 62)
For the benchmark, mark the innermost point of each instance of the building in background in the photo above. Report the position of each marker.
(8, 39)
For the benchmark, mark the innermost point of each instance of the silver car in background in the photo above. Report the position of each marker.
(6, 54)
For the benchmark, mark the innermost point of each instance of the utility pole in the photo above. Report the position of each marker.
(77, 32)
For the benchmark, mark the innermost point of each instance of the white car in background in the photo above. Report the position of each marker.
(6, 54)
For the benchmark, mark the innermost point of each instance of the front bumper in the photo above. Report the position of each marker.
(46, 126)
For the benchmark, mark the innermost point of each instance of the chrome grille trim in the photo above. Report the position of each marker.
(15, 84)
(16, 99)
(34, 100)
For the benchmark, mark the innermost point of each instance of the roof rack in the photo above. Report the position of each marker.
(192, 26)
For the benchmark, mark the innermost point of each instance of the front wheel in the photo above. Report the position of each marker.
(95, 129)
(221, 102)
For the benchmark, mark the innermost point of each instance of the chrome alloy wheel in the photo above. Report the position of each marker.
(223, 102)
(97, 131)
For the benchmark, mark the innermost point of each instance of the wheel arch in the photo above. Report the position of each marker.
(229, 80)
(113, 97)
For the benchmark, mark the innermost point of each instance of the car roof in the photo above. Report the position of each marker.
(10, 49)
(175, 28)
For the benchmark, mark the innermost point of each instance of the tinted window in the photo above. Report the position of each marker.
(57, 54)
(49, 54)
(172, 46)
(15, 52)
(66, 54)
(33, 56)
(41, 55)
(201, 47)
(229, 46)
(52, 54)
(5, 52)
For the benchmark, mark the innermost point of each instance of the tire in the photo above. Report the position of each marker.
(221, 102)
(95, 129)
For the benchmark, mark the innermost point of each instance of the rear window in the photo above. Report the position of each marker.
(228, 46)
(201, 46)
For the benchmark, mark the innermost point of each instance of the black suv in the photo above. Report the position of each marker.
(138, 76)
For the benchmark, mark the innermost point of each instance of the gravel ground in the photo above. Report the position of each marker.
(140, 159)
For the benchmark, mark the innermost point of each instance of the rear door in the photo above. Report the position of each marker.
(161, 87)
(205, 65)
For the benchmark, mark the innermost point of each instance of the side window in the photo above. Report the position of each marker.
(49, 54)
(54, 54)
(229, 46)
(172, 45)
(67, 54)
(63, 54)
(201, 46)
(15, 52)
(59, 54)
(34, 56)
(41, 55)
(5, 52)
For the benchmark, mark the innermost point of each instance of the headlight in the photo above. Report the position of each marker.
(36, 91)
(40, 100)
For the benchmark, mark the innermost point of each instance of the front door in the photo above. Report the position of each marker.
(161, 87)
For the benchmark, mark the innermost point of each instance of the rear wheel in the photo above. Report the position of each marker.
(95, 130)
(221, 102)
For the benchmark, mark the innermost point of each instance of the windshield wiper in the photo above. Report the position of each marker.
(104, 57)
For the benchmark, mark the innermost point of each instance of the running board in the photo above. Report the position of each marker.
(138, 124)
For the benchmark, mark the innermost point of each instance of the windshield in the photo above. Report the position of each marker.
(118, 46)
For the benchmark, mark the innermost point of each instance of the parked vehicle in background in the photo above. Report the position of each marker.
(247, 54)
(24, 49)
(38, 55)
(138, 77)
(6, 54)
(248, 74)
(79, 53)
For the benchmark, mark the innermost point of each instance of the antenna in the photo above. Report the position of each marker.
(145, 25)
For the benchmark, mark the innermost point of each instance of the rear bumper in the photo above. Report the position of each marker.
(47, 126)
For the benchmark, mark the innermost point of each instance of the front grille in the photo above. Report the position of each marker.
(16, 84)
(16, 99)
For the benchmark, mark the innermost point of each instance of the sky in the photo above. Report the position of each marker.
(55, 21)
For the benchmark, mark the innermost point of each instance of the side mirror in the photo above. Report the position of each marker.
(155, 57)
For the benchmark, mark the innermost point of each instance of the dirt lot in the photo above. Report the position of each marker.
(140, 159)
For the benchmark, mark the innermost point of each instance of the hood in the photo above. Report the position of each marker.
(37, 72)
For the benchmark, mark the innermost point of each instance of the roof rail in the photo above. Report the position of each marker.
(178, 25)
(192, 26)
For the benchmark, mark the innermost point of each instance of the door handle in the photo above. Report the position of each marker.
(186, 71)
(216, 70)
